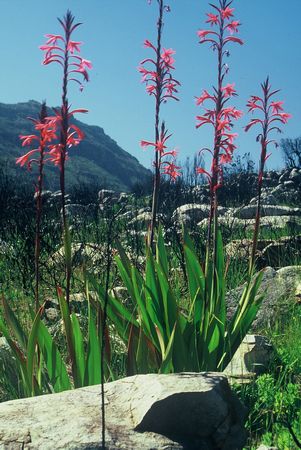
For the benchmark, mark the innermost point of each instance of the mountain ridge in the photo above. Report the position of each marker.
(98, 159)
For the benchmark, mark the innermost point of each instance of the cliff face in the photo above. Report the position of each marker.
(98, 159)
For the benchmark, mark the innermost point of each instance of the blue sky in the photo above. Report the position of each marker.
(113, 32)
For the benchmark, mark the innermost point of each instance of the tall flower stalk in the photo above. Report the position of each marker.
(39, 155)
(221, 115)
(61, 49)
(271, 114)
(160, 83)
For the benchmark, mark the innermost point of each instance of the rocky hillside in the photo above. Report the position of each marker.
(98, 159)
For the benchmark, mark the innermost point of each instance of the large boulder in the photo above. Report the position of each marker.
(194, 212)
(269, 252)
(242, 248)
(249, 212)
(274, 223)
(177, 411)
(281, 290)
(89, 254)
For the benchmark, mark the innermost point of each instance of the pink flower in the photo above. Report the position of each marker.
(203, 120)
(223, 125)
(277, 107)
(159, 145)
(232, 112)
(253, 103)
(147, 43)
(233, 39)
(233, 26)
(167, 56)
(22, 160)
(204, 96)
(53, 38)
(85, 63)
(171, 169)
(225, 158)
(27, 140)
(73, 46)
(55, 52)
(151, 89)
(284, 117)
(212, 19)
(227, 13)
(229, 90)
(230, 136)
(171, 88)
(270, 111)
(220, 117)
(47, 134)
(202, 34)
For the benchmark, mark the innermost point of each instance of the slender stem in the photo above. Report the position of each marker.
(264, 138)
(217, 143)
(63, 141)
(38, 229)
(156, 183)
(39, 211)
(103, 333)
(104, 319)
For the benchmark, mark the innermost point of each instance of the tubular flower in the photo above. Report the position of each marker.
(171, 170)
(166, 159)
(157, 74)
(213, 19)
(272, 113)
(60, 48)
(40, 154)
(65, 51)
(74, 136)
(222, 115)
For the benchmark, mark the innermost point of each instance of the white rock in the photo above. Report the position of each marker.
(143, 412)
(249, 212)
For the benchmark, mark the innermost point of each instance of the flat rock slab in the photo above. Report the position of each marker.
(176, 411)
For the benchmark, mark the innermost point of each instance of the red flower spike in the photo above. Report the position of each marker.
(157, 74)
(60, 48)
(221, 116)
(271, 111)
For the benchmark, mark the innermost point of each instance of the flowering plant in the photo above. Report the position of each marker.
(272, 113)
(223, 27)
(39, 155)
(160, 83)
(62, 50)
(162, 337)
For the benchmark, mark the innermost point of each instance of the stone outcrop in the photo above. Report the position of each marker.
(281, 289)
(249, 212)
(194, 212)
(274, 223)
(177, 411)
(252, 358)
